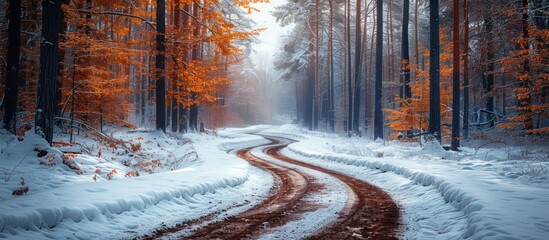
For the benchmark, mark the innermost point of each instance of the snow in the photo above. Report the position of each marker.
(486, 192)
(62, 204)
(493, 194)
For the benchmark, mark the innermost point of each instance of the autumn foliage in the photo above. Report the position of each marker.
(413, 113)
(532, 87)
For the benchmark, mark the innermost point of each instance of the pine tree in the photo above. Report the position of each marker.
(378, 118)
(12, 67)
(434, 70)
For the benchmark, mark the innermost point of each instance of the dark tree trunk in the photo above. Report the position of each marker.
(455, 73)
(49, 55)
(407, 92)
(175, 80)
(434, 71)
(331, 110)
(526, 102)
(193, 118)
(12, 68)
(489, 74)
(466, 71)
(160, 65)
(378, 117)
(358, 58)
(349, 70)
(316, 101)
(195, 56)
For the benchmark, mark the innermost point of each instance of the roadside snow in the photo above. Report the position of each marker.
(187, 182)
(497, 196)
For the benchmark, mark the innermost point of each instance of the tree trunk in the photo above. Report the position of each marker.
(378, 118)
(466, 71)
(349, 71)
(434, 71)
(175, 78)
(489, 74)
(331, 110)
(455, 73)
(358, 58)
(49, 54)
(416, 35)
(407, 92)
(160, 65)
(526, 102)
(12, 68)
(316, 100)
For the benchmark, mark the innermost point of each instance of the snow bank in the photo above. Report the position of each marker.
(496, 201)
(65, 203)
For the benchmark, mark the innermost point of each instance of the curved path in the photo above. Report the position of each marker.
(369, 213)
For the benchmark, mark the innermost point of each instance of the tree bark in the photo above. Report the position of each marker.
(349, 71)
(358, 58)
(489, 74)
(12, 67)
(407, 92)
(466, 71)
(49, 55)
(378, 118)
(455, 73)
(331, 110)
(434, 71)
(526, 102)
(175, 80)
(160, 65)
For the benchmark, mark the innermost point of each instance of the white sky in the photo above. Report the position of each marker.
(270, 38)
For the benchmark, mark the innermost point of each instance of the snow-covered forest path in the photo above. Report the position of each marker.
(362, 210)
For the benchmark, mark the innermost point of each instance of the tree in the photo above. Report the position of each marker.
(358, 58)
(434, 70)
(466, 71)
(378, 118)
(412, 115)
(455, 73)
(49, 53)
(405, 61)
(331, 110)
(160, 65)
(532, 80)
(12, 67)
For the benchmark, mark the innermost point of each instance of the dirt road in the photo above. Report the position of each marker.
(369, 212)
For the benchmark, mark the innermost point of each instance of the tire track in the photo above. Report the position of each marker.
(369, 212)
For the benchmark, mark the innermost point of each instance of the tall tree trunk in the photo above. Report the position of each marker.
(455, 73)
(378, 118)
(416, 35)
(12, 67)
(316, 94)
(407, 92)
(175, 78)
(160, 65)
(526, 103)
(466, 71)
(358, 58)
(331, 110)
(489, 74)
(349, 71)
(193, 112)
(434, 71)
(49, 55)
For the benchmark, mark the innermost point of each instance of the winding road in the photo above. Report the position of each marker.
(369, 212)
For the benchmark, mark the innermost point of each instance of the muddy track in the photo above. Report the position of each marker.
(369, 212)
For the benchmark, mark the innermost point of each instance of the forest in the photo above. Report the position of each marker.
(274, 119)
(390, 69)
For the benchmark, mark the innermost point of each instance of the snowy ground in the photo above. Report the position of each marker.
(485, 193)
(492, 192)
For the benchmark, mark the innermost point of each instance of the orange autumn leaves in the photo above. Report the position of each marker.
(109, 50)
